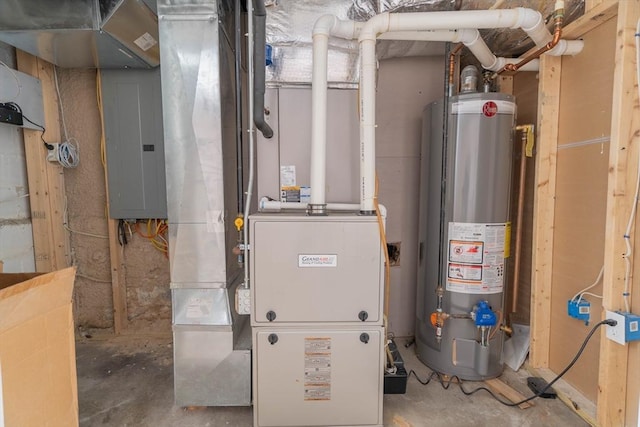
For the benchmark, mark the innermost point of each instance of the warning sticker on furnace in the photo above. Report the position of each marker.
(317, 368)
(476, 257)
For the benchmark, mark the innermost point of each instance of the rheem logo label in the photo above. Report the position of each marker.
(489, 109)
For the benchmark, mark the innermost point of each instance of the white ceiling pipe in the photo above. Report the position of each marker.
(470, 38)
(527, 19)
(325, 26)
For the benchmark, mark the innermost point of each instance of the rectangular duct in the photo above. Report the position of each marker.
(83, 33)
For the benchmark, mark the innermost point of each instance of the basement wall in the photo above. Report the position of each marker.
(405, 87)
(146, 269)
(586, 89)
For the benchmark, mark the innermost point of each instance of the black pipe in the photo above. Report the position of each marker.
(238, 77)
(259, 42)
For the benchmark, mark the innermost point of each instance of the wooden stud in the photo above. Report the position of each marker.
(46, 180)
(118, 281)
(623, 154)
(544, 202)
(505, 84)
(593, 17)
(116, 251)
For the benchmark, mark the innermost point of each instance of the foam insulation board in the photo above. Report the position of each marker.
(37, 350)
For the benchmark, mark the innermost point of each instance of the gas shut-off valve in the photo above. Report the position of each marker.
(485, 319)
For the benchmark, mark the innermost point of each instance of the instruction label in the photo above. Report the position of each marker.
(317, 368)
(476, 257)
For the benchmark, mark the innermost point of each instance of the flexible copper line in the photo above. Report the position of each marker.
(452, 64)
(557, 34)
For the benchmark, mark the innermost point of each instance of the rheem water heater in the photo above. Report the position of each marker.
(464, 233)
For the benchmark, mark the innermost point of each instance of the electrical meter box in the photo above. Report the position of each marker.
(318, 377)
(307, 269)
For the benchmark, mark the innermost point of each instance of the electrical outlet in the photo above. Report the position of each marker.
(52, 155)
(627, 328)
(243, 300)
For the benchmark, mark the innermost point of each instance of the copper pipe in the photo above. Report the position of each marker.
(557, 34)
(518, 244)
(452, 65)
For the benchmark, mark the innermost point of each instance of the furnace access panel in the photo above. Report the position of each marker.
(316, 269)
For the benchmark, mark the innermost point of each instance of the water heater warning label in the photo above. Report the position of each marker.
(317, 368)
(476, 257)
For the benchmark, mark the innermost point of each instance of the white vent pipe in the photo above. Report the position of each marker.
(459, 26)
(327, 25)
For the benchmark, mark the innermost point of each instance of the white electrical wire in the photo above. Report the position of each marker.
(627, 234)
(55, 80)
(15, 76)
(65, 222)
(68, 151)
(593, 285)
(247, 206)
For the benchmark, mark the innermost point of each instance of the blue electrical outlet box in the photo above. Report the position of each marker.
(580, 310)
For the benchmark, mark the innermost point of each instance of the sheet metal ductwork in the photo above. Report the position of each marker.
(212, 344)
(84, 33)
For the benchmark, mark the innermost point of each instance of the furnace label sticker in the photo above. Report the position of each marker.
(309, 260)
(476, 257)
(317, 368)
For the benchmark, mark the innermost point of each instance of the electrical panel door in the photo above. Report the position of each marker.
(134, 143)
(318, 377)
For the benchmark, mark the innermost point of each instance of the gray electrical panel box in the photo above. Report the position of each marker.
(134, 143)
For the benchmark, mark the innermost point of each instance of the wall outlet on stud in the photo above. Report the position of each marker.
(627, 329)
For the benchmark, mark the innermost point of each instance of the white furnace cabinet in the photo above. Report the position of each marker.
(326, 377)
(318, 339)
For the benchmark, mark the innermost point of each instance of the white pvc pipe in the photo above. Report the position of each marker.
(470, 38)
(267, 205)
(458, 26)
(319, 119)
(325, 26)
(529, 20)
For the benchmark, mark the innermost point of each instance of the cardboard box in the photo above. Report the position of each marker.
(38, 383)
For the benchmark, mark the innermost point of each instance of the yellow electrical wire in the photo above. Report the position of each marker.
(103, 152)
(383, 243)
(156, 230)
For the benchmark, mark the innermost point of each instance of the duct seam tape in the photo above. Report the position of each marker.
(475, 106)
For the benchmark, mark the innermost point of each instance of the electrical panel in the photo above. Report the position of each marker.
(132, 106)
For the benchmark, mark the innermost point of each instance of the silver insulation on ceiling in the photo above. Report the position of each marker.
(290, 23)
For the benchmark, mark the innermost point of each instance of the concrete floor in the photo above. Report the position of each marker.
(128, 381)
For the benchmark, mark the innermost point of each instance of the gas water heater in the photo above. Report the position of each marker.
(464, 233)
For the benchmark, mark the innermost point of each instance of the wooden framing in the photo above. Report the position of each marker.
(116, 251)
(46, 180)
(118, 281)
(544, 200)
(623, 154)
(614, 406)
